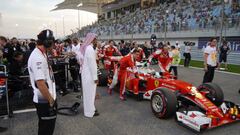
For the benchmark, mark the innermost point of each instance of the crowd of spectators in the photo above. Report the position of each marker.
(11, 47)
(178, 16)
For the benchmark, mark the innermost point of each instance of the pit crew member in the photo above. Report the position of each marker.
(126, 63)
(141, 52)
(108, 51)
(164, 58)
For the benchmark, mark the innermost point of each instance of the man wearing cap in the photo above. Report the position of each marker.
(43, 83)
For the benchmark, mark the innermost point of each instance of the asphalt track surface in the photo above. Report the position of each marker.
(130, 117)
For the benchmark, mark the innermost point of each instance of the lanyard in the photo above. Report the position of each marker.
(49, 67)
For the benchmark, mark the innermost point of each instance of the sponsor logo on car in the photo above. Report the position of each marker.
(169, 86)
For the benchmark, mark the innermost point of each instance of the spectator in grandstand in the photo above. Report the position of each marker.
(210, 60)
(187, 55)
(224, 50)
(176, 58)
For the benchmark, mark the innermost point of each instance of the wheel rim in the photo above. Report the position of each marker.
(157, 103)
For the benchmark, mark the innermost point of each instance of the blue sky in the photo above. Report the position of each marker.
(26, 18)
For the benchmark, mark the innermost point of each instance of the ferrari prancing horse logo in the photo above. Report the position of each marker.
(156, 83)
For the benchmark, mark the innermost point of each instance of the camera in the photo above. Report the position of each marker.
(187, 43)
(153, 39)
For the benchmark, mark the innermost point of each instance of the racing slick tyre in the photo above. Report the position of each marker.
(215, 93)
(163, 103)
(103, 77)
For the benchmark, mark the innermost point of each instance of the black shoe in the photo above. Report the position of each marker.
(3, 129)
(96, 114)
(96, 111)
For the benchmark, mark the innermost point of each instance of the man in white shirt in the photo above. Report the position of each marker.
(210, 60)
(177, 46)
(187, 55)
(43, 83)
(75, 45)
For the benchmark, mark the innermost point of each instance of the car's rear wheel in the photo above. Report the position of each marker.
(163, 103)
(213, 92)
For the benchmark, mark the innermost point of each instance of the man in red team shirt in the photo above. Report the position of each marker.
(126, 62)
(164, 58)
(141, 52)
(108, 51)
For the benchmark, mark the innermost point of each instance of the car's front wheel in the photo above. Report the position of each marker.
(213, 92)
(163, 103)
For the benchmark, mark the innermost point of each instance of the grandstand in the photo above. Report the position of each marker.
(176, 20)
(181, 16)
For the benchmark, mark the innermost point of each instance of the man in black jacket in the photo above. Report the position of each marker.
(10, 48)
(15, 68)
(3, 41)
(124, 50)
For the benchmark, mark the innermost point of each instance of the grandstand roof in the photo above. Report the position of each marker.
(93, 6)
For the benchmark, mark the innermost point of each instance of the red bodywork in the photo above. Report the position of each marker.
(216, 114)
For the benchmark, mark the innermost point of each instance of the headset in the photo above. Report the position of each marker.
(46, 38)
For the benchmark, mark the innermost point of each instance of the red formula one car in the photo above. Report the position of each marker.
(198, 108)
